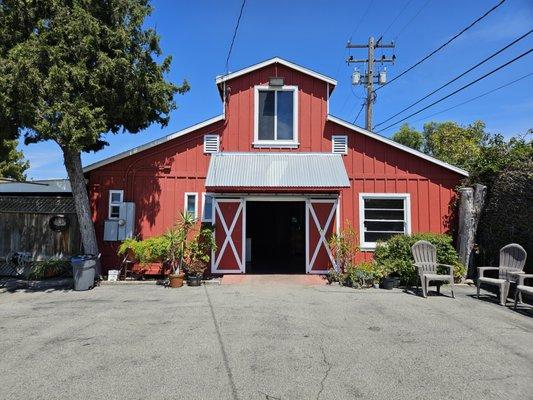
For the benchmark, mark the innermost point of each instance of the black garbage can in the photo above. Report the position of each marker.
(84, 271)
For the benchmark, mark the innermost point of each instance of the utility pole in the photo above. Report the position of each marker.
(368, 78)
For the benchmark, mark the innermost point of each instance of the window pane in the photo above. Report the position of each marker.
(371, 237)
(191, 204)
(116, 197)
(384, 214)
(266, 115)
(285, 115)
(384, 203)
(384, 226)
(208, 208)
(115, 212)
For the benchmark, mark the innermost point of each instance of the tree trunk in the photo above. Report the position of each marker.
(72, 160)
(472, 201)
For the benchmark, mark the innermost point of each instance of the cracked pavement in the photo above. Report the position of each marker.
(261, 341)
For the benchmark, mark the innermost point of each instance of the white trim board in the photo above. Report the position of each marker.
(224, 78)
(396, 144)
(153, 143)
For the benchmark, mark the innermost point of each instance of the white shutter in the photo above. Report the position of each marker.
(339, 144)
(211, 143)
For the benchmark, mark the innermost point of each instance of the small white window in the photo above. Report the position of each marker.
(276, 116)
(207, 207)
(383, 215)
(191, 204)
(211, 143)
(116, 197)
(339, 144)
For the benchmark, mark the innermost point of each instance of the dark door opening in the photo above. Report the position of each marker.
(275, 237)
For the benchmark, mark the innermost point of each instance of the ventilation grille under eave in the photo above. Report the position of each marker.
(211, 143)
(339, 144)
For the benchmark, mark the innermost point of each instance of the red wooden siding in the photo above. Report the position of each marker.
(157, 178)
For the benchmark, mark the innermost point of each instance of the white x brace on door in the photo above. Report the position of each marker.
(229, 220)
(320, 221)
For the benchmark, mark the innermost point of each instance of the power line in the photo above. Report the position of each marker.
(411, 20)
(359, 113)
(397, 16)
(443, 45)
(460, 89)
(362, 18)
(457, 77)
(474, 98)
(234, 35)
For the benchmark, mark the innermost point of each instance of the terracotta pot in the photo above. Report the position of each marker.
(176, 281)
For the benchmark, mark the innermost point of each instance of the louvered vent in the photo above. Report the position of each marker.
(211, 143)
(339, 144)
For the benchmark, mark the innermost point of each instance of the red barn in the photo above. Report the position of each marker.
(276, 174)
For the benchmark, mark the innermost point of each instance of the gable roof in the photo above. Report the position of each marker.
(396, 144)
(153, 143)
(224, 78)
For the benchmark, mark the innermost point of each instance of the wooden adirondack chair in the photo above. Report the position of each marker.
(425, 255)
(512, 262)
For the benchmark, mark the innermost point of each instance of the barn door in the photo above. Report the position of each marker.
(320, 216)
(229, 236)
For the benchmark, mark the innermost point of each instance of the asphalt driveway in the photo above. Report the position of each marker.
(261, 341)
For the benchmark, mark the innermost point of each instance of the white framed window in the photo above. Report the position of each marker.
(382, 215)
(207, 207)
(339, 144)
(211, 144)
(276, 116)
(191, 204)
(116, 197)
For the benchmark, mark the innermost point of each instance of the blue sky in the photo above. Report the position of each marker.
(314, 34)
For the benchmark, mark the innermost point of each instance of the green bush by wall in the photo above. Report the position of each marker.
(395, 256)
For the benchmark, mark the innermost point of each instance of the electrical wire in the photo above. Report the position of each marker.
(457, 77)
(411, 20)
(396, 17)
(234, 35)
(475, 98)
(460, 89)
(442, 46)
(359, 113)
(361, 19)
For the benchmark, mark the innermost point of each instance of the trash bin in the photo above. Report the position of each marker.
(83, 271)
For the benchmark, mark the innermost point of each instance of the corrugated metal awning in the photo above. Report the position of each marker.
(277, 170)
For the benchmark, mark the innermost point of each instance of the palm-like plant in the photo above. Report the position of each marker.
(177, 241)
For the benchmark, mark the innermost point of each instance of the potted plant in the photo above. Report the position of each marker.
(199, 252)
(176, 248)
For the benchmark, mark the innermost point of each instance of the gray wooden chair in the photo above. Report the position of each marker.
(425, 255)
(512, 261)
(522, 288)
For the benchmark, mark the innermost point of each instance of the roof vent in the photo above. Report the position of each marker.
(211, 143)
(339, 144)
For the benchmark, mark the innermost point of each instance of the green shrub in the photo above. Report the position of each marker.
(505, 218)
(357, 275)
(51, 268)
(145, 251)
(395, 257)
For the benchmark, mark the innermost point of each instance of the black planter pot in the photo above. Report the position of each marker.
(194, 280)
(396, 280)
(388, 283)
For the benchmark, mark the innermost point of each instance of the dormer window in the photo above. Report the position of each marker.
(276, 116)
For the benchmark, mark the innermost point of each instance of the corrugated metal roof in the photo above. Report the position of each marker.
(41, 186)
(313, 170)
(37, 204)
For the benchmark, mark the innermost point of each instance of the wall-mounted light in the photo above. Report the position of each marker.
(276, 81)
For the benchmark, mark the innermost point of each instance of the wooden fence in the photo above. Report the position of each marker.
(31, 232)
